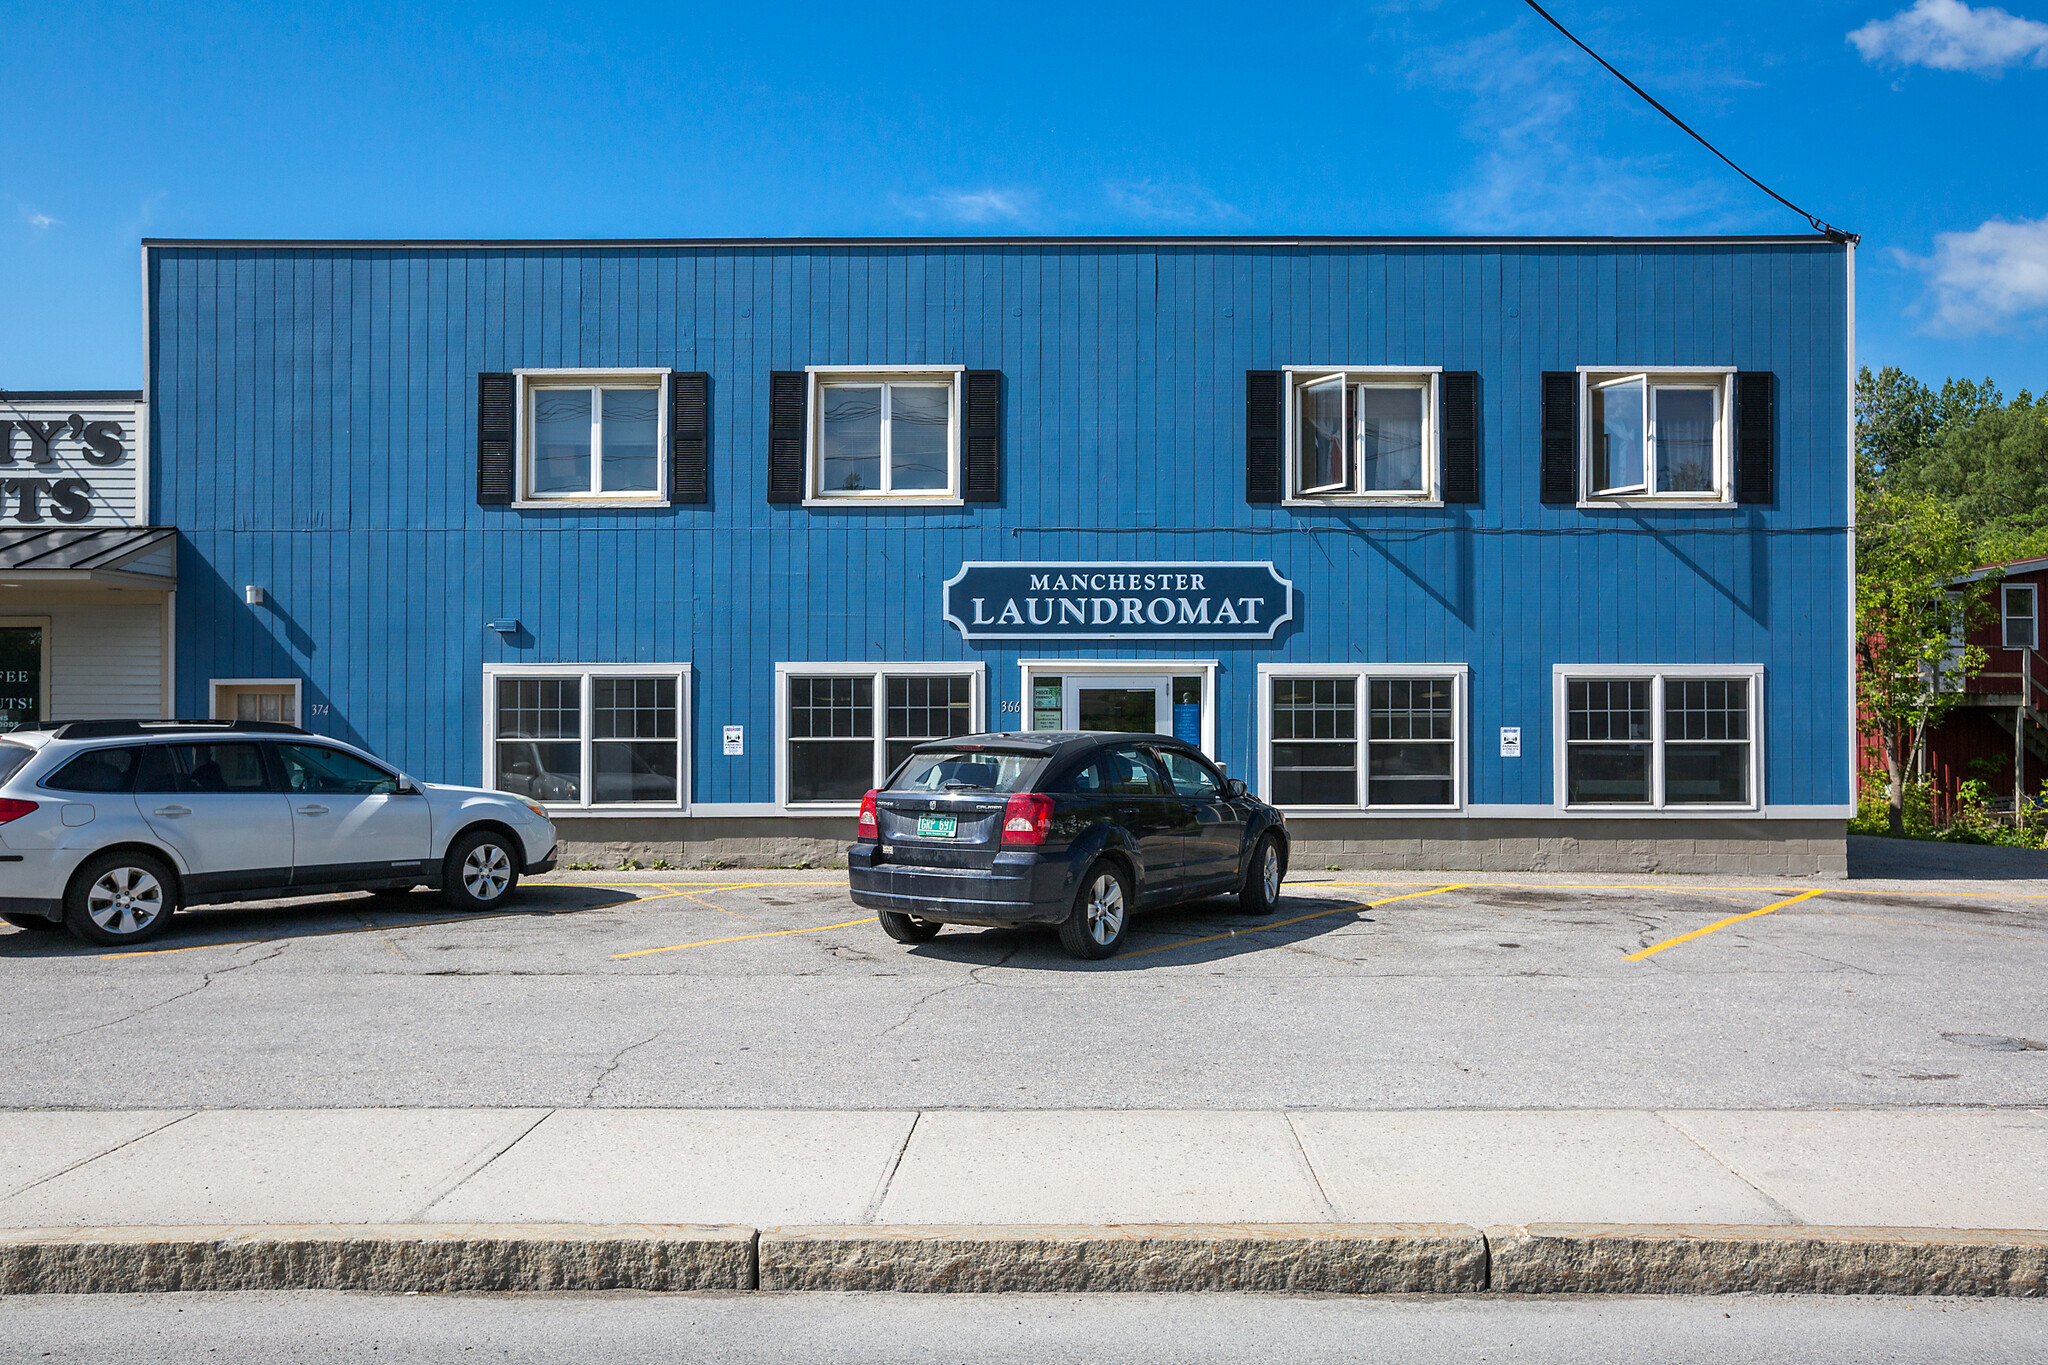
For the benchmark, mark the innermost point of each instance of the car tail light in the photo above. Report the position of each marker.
(10, 809)
(1025, 818)
(870, 828)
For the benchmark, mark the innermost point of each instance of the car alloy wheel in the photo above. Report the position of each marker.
(1269, 871)
(125, 900)
(1105, 909)
(486, 872)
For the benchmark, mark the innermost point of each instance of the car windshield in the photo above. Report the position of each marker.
(12, 756)
(935, 770)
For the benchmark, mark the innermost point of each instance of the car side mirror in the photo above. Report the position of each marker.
(1235, 787)
(408, 787)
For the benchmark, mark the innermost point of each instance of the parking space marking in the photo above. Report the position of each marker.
(1724, 923)
(741, 938)
(1298, 919)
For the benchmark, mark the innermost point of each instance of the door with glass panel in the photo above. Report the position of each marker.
(21, 674)
(1123, 703)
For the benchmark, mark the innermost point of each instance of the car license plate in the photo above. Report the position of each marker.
(937, 826)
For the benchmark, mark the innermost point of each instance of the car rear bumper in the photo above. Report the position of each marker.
(1020, 889)
(32, 906)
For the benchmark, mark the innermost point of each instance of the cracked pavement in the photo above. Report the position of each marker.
(1512, 992)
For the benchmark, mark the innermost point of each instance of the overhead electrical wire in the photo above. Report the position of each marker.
(1820, 225)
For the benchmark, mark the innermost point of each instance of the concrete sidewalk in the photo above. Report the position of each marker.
(1882, 1168)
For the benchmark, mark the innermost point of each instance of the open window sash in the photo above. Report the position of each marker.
(1323, 445)
(1621, 444)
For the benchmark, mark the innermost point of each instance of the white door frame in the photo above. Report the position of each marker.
(1133, 669)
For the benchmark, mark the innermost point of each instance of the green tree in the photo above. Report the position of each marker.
(1895, 420)
(1910, 611)
(1990, 462)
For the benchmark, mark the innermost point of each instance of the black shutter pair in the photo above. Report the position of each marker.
(981, 474)
(689, 438)
(1756, 436)
(1265, 422)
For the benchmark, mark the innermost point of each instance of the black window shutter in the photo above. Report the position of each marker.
(689, 433)
(786, 390)
(494, 420)
(1756, 436)
(982, 477)
(1263, 424)
(1560, 436)
(1461, 435)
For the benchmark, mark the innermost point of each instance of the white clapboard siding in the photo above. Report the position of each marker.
(112, 487)
(106, 662)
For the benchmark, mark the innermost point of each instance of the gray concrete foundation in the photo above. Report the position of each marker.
(1770, 848)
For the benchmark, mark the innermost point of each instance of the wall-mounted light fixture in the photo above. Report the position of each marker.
(253, 595)
(504, 625)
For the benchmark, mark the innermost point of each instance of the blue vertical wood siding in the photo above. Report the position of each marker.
(313, 432)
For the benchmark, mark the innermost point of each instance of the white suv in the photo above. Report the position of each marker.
(107, 827)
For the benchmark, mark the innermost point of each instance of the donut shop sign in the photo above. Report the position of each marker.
(1069, 600)
(71, 460)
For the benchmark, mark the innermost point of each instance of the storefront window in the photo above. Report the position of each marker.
(589, 738)
(1407, 755)
(21, 676)
(1659, 740)
(846, 731)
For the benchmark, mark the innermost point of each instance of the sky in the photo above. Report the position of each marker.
(1916, 123)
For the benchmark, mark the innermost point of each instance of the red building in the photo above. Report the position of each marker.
(2009, 694)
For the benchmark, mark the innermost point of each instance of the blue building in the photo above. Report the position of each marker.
(1470, 553)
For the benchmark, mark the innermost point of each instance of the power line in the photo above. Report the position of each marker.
(1821, 226)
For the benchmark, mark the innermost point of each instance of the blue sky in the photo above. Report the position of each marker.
(1914, 122)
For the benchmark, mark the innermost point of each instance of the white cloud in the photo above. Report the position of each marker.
(1948, 35)
(969, 206)
(41, 220)
(1160, 202)
(1989, 278)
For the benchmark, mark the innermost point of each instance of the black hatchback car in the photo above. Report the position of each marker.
(1075, 830)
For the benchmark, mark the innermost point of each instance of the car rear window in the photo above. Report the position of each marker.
(12, 756)
(96, 770)
(937, 770)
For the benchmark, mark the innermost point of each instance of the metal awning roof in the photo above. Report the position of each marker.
(144, 555)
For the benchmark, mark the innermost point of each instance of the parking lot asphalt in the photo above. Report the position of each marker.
(771, 989)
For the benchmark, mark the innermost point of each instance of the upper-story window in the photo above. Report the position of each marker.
(1363, 433)
(2016, 616)
(1657, 435)
(593, 436)
(891, 435)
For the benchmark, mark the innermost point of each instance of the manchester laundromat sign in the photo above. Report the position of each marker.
(1069, 600)
(69, 462)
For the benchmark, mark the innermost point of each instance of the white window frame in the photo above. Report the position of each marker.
(1029, 669)
(816, 379)
(1428, 378)
(1719, 378)
(1363, 674)
(976, 672)
(2006, 592)
(528, 382)
(1655, 674)
(43, 623)
(588, 673)
(297, 686)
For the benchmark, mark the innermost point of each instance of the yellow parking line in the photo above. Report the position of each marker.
(1723, 924)
(1283, 923)
(741, 938)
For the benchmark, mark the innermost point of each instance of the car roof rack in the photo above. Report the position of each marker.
(107, 729)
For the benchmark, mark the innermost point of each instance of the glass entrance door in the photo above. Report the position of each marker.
(1125, 703)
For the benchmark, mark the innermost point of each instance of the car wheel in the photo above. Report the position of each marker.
(35, 924)
(1102, 912)
(480, 871)
(1261, 889)
(908, 928)
(120, 898)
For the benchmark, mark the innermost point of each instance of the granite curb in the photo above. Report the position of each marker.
(1340, 1258)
